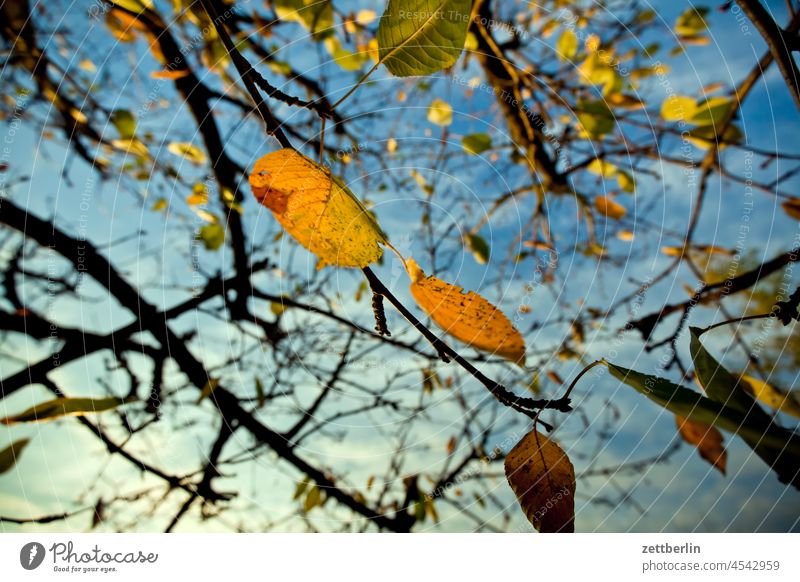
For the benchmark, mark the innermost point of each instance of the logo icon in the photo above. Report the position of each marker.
(31, 555)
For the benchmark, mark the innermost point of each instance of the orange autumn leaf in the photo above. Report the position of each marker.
(466, 316)
(706, 438)
(543, 479)
(170, 75)
(317, 209)
(607, 206)
(792, 208)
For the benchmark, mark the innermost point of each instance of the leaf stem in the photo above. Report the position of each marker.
(581, 374)
(357, 85)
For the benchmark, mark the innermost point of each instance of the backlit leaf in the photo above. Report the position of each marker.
(543, 479)
(467, 317)
(778, 447)
(421, 37)
(9, 456)
(64, 406)
(706, 438)
(317, 209)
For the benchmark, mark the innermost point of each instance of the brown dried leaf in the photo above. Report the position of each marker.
(543, 479)
(706, 438)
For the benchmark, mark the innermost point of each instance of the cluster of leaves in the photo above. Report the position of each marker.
(730, 404)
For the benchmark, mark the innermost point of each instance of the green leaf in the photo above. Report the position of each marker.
(567, 45)
(719, 384)
(729, 390)
(349, 61)
(479, 248)
(706, 135)
(212, 235)
(626, 181)
(316, 16)
(690, 404)
(711, 111)
(596, 118)
(476, 143)
(692, 21)
(440, 113)
(421, 37)
(64, 407)
(10, 455)
(125, 123)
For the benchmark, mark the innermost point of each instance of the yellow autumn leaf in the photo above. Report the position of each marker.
(607, 206)
(787, 402)
(170, 75)
(467, 317)
(625, 235)
(365, 17)
(186, 150)
(567, 45)
(317, 209)
(678, 108)
(706, 438)
(672, 251)
(543, 479)
(602, 168)
(87, 65)
(198, 196)
(440, 112)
